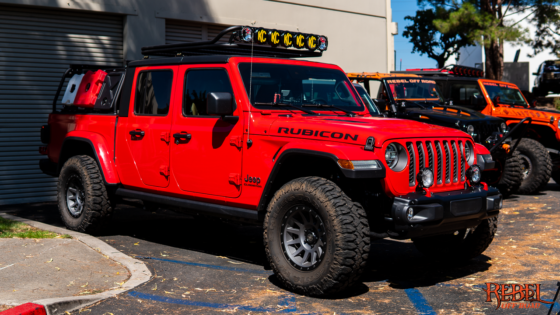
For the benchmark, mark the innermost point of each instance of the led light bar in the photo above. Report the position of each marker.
(286, 39)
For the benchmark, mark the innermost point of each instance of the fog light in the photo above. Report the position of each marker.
(473, 174)
(410, 213)
(425, 178)
(246, 34)
(501, 203)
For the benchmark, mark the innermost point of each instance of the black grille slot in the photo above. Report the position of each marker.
(447, 162)
(430, 156)
(439, 163)
(462, 161)
(455, 162)
(420, 149)
(411, 164)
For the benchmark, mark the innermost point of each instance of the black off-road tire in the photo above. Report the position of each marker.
(511, 177)
(541, 165)
(83, 170)
(346, 232)
(458, 248)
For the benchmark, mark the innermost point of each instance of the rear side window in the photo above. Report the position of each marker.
(153, 93)
(461, 93)
(198, 84)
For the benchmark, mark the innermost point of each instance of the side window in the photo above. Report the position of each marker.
(153, 93)
(461, 93)
(198, 84)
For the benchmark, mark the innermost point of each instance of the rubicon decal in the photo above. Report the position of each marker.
(528, 293)
(317, 133)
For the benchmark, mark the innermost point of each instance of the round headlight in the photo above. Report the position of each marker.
(470, 130)
(425, 178)
(469, 152)
(473, 174)
(392, 155)
(246, 34)
(504, 127)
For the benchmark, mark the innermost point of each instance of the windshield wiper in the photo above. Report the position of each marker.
(289, 105)
(348, 112)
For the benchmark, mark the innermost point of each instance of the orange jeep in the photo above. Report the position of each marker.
(539, 149)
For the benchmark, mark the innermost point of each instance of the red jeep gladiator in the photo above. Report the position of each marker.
(232, 130)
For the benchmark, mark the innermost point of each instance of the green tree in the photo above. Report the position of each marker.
(483, 22)
(427, 39)
(545, 16)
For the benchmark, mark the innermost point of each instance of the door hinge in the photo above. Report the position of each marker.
(235, 179)
(165, 136)
(164, 170)
(236, 141)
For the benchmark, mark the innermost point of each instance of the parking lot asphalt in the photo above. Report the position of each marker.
(211, 267)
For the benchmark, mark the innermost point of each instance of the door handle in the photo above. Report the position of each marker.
(137, 132)
(181, 136)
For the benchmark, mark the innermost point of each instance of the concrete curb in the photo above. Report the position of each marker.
(139, 273)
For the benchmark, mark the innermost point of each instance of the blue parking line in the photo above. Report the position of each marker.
(289, 300)
(265, 272)
(419, 302)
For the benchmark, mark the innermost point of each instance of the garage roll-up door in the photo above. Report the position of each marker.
(188, 32)
(36, 47)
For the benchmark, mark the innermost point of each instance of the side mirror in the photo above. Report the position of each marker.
(496, 100)
(534, 104)
(219, 104)
(478, 101)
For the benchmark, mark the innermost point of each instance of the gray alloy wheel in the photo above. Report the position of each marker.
(75, 197)
(303, 237)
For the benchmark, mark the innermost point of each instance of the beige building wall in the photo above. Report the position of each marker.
(359, 31)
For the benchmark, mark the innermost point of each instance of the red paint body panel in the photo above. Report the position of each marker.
(26, 309)
(202, 168)
(89, 88)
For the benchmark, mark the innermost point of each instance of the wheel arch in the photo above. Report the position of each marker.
(77, 145)
(309, 163)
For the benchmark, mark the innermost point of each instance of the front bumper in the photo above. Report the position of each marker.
(443, 212)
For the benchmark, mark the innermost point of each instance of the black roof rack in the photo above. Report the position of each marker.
(451, 70)
(232, 48)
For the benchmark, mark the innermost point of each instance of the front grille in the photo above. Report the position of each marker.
(455, 162)
(439, 163)
(485, 130)
(411, 165)
(447, 162)
(446, 159)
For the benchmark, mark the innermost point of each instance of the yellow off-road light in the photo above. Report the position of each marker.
(274, 38)
(261, 36)
(299, 40)
(311, 42)
(287, 39)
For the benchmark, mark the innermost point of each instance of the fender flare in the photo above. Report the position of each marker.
(101, 154)
(335, 154)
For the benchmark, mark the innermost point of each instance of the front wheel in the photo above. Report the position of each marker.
(83, 201)
(507, 176)
(316, 239)
(459, 246)
(536, 166)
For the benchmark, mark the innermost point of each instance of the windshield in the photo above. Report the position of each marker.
(509, 94)
(298, 85)
(415, 90)
(366, 99)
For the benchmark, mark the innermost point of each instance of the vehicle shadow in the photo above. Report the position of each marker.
(396, 262)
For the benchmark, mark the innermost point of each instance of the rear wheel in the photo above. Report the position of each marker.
(316, 238)
(83, 201)
(459, 246)
(536, 166)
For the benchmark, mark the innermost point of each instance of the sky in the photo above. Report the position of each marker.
(402, 8)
